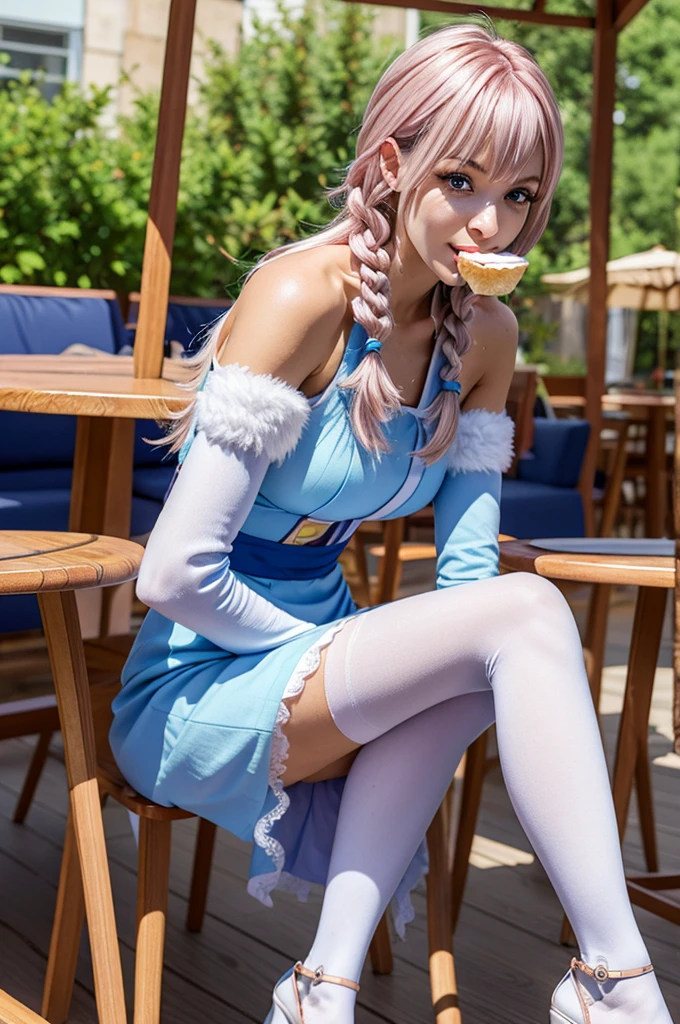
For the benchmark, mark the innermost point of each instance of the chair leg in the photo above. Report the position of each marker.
(33, 774)
(200, 877)
(439, 931)
(380, 950)
(643, 786)
(152, 906)
(596, 637)
(390, 566)
(67, 660)
(67, 929)
(475, 765)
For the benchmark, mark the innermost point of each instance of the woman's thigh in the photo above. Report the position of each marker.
(395, 661)
(317, 748)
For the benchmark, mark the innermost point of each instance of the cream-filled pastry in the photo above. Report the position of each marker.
(491, 273)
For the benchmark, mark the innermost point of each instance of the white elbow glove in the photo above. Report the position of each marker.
(244, 422)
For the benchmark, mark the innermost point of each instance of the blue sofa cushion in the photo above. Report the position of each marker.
(47, 324)
(48, 509)
(153, 482)
(184, 323)
(557, 454)
(531, 509)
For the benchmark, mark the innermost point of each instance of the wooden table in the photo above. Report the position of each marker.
(107, 399)
(653, 576)
(655, 408)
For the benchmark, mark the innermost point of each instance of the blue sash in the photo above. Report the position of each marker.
(272, 560)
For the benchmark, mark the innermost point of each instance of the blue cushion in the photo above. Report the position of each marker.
(19, 612)
(184, 323)
(153, 482)
(557, 454)
(36, 439)
(540, 510)
(150, 454)
(47, 324)
(48, 509)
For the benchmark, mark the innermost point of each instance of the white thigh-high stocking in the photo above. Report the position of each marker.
(408, 680)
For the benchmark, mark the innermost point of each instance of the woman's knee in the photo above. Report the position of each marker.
(532, 600)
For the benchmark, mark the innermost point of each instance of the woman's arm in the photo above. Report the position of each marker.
(244, 421)
(467, 505)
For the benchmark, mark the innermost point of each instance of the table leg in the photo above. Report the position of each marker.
(655, 481)
(101, 503)
(644, 650)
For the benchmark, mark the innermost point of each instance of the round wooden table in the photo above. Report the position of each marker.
(106, 398)
(653, 576)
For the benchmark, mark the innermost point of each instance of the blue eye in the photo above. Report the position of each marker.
(520, 196)
(458, 182)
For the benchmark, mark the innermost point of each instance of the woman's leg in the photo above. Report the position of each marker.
(514, 637)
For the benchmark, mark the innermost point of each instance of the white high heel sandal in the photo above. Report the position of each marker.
(569, 1003)
(286, 998)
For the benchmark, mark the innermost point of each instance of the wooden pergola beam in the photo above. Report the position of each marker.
(626, 11)
(601, 158)
(160, 228)
(537, 17)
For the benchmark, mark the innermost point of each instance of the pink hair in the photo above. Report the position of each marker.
(459, 90)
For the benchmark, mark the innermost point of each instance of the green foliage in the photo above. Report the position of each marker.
(274, 129)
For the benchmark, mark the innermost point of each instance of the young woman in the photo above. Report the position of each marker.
(358, 377)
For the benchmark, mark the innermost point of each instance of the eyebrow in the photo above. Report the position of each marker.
(477, 167)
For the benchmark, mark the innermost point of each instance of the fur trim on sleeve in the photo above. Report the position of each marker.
(483, 443)
(251, 411)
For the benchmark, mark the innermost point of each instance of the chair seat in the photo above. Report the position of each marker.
(41, 561)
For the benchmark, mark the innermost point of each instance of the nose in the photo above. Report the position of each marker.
(484, 223)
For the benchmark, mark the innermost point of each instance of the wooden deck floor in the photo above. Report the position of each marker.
(507, 954)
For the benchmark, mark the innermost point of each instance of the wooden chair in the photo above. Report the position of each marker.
(54, 566)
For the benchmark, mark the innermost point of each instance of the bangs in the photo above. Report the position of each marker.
(493, 120)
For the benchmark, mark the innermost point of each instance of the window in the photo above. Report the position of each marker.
(54, 52)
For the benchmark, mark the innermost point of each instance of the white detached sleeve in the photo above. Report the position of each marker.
(467, 505)
(244, 422)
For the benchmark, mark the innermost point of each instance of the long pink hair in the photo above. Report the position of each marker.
(460, 89)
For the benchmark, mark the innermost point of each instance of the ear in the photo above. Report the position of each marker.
(390, 163)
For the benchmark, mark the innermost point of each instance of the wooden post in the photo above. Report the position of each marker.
(676, 596)
(160, 228)
(601, 153)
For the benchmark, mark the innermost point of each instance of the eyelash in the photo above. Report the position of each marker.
(529, 197)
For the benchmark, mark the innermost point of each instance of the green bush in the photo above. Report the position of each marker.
(275, 127)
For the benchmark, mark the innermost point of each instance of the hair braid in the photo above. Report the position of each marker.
(452, 310)
(375, 395)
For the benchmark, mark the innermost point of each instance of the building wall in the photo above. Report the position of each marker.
(127, 37)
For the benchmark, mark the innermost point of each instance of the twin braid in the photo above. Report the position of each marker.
(452, 310)
(375, 396)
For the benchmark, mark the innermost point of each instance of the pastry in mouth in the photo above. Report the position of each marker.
(491, 273)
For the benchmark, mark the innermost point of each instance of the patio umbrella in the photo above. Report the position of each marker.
(647, 280)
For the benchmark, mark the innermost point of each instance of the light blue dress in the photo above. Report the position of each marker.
(196, 726)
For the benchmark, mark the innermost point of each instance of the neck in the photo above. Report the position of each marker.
(411, 283)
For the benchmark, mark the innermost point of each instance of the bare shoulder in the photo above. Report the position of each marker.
(494, 351)
(495, 325)
(289, 315)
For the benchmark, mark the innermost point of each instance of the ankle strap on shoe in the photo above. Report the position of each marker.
(318, 976)
(601, 973)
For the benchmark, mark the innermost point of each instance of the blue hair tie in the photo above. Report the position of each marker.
(372, 345)
(451, 385)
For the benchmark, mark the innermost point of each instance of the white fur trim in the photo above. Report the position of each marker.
(251, 411)
(483, 442)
